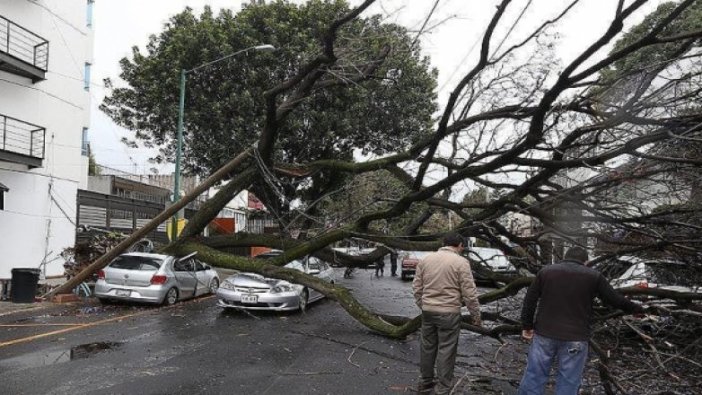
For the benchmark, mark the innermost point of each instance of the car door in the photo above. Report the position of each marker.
(203, 278)
(314, 268)
(184, 271)
(328, 272)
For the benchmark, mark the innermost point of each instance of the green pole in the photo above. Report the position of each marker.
(179, 150)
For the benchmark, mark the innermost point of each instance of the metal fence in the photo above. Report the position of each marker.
(120, 214)
(125, 215)
(23, 44)
(21, 137)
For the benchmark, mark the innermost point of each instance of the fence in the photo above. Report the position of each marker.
(21, 137)
(23, 44)
(125, 215)
(120, 214)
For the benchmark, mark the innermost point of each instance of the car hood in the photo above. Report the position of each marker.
(253, 280)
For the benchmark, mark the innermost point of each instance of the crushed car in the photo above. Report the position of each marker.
(252, 291)
(154, 278)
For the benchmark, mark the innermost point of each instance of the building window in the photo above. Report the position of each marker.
(86, 77)
(89, 14)
(3, 189)
(84, 144)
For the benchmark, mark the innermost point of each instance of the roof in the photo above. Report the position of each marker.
(3, 188)
(147, 255)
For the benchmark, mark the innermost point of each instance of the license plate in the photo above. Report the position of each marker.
(123, 292)
(249, 298)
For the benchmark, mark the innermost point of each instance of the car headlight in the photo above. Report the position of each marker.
(282, 288)
(227, 285)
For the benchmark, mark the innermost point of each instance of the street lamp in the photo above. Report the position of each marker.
(181, 110)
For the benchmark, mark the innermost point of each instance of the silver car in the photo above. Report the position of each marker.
(252, 291)
(155, 278)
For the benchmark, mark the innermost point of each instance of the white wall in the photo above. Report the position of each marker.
(32, 223)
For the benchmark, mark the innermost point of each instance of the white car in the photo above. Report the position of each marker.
(154, 278)
(251, 291)
(651, 273)
(493, 258)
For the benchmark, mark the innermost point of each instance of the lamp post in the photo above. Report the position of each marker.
(179, 135)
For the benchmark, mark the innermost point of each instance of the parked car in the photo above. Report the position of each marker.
(657, 273)
(155, 278)
(251, 291)
(493, 258)
(490, 258)
(408, 264)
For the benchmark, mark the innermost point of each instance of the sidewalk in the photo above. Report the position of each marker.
(9, 307)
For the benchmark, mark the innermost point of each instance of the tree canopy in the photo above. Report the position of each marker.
(224, 110)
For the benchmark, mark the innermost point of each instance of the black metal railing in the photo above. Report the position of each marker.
(21, 137)
(23, 44)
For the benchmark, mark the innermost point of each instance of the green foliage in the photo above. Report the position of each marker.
(93, 168)
(654, 56)
(224, 108)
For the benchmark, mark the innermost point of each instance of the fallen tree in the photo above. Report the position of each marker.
(603, 151)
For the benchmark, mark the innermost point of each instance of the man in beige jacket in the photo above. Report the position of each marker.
(443, 282)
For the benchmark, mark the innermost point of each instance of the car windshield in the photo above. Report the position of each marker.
(129, 262)
(314, 264)
(297, 265)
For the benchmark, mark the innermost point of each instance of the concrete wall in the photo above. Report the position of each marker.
(40, 206)
(101, 184)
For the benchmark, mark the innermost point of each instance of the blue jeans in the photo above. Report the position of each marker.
(572, 356)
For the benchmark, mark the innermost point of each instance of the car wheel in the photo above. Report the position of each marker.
(171, 297)
(214, 284)
(304, 297)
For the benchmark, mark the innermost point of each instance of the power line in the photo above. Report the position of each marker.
(50, 11)
(43, 91)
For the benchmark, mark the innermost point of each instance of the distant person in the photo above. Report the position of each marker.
(393, 263)
(442, 284)
(380, 266)
(563, 293)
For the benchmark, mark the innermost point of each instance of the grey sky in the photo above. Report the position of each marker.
(452, 44)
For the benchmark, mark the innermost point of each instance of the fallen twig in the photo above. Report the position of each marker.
(352, 352)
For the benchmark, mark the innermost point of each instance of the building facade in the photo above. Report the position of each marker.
(45, 58)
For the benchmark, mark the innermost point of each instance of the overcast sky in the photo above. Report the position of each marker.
(452, 45)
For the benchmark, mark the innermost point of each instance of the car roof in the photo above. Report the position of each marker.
(147, 255)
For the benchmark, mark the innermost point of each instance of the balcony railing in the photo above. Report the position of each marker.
(21, 142)
(23, 45)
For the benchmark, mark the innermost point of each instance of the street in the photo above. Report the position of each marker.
(195, 347)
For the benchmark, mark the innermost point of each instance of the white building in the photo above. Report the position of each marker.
(45, 57)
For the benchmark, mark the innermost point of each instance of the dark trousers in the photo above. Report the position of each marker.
(439, 343)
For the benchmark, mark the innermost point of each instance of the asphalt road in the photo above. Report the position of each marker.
(195, 347)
